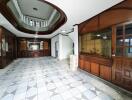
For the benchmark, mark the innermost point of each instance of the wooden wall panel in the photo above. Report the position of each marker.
(115, 15)
(105, 72)
(122, 72)
(95, 69)
(24, 52)
(117, 69)
(81, 63)
(87, 66)
(89, 26)
(127, 73)
(8, 47)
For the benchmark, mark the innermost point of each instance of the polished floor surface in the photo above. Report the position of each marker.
(48, 79)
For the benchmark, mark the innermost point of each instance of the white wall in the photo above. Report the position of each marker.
(65, 44)
(67, 47)
(53, 40)
(74, 37)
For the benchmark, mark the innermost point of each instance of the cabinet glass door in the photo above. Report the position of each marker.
(124, 40)
(128, 40)
(119, 41)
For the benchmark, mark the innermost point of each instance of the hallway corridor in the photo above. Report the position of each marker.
(48, 79)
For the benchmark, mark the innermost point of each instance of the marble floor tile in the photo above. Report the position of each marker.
(46, 78)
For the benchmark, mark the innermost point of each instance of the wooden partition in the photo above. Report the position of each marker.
(25, 47)
(118, 68)
(8, 49)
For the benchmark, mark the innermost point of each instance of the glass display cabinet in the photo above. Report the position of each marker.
(95, 53)
(97, 43)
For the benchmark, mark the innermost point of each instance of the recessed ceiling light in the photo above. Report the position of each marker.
(36, 9)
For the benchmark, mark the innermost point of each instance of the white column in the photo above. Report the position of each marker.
(74, 37)
(60, 47)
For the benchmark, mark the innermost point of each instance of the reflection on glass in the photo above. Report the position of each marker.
(128, 29)
(131, 42)
(128, 41)
(34, 47)
(119, 41)
(41, 45)
(119, 51)
(119, 30)
(128, 52)
(98, 43)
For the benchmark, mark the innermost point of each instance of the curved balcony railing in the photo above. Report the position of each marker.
(35, 23)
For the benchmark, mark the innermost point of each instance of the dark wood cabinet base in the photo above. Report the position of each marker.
(120, 73)
(96, 66)
(95, 69)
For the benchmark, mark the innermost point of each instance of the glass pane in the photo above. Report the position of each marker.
(119, 41)
(119, 51)
(128, 52)
(128, 41)
(131, 42)
(97, 43)
(106, 48)
(128, 29)
(119, 30)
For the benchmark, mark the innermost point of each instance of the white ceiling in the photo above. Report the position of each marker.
(44, 10)
(76, 11)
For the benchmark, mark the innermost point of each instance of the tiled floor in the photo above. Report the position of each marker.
(47, 79)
